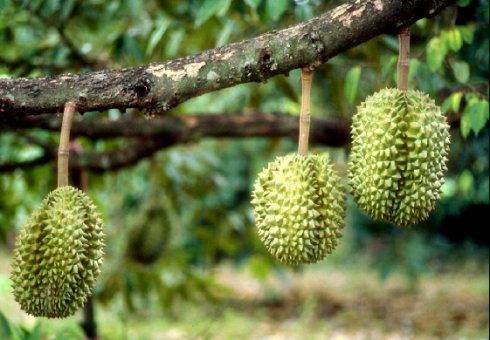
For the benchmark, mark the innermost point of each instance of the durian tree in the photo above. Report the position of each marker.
(133, 105)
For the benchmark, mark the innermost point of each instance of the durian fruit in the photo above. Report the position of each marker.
(58, 254)
(299, 208)
(400, 143)
(149, 239)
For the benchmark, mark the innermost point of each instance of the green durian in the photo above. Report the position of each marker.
(149, 239)
(58, 254)
(299, 208)
(400, 144)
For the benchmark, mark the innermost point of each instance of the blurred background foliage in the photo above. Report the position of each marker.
(200, 192)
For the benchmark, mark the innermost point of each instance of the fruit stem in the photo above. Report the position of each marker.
(403, 58)
(304, 117)
(63, 149)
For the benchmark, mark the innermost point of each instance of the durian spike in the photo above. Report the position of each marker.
(63, 150)
(403, 58)
(304, 117)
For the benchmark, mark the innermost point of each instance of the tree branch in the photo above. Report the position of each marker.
(167, 131)
(165, 85)
(192, 127)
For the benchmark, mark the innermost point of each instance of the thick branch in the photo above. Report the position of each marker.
(165, 131)
(165, 85)
(192, 127)
(189, 128)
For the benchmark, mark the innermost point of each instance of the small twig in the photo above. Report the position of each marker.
(304, 117)
(403, 58)
(63, 150)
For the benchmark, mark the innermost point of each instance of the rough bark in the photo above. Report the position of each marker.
(161, 86)
(332, 132)
(154, 137)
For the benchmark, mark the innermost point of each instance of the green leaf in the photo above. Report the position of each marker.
(465, 125)
(35, 334)
(275, 9)
(454, 39)
(210, 8)
(463, 3)
(467, 33)
(436, 52)
(5, 329)
(475, 115)
(174, 42)
(352, 83)
(478, 113)
(461, 71)
(453, 102)
(157, 34)
(224, 35)
(387, 66)
(465, 182)
(422, 23)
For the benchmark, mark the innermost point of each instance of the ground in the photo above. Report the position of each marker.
(325, 301)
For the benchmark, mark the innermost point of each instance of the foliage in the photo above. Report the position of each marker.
(206, 186)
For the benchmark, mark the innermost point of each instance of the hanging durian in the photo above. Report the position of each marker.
(149, 238)
(400, 143)
(59, 250)
(58, 254)
(299, 200)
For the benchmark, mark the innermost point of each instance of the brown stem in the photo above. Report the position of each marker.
(403, 58)
(63, 150)
(304, 117)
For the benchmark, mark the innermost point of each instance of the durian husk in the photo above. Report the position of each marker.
(299, 208)
(149, 239)
(400, 143)
(58, 254)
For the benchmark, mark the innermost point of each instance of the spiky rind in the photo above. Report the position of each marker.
(58, 254)
(400, 143)
(299, 208)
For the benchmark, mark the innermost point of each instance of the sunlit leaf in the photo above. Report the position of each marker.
(454, 39)
(224, 35)
(461, 71)
(210, 8)
(157, 34)
(436, 52)
(174, 42)
(452, 102)
(465, 182)
(465, 125)
(275, 9)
